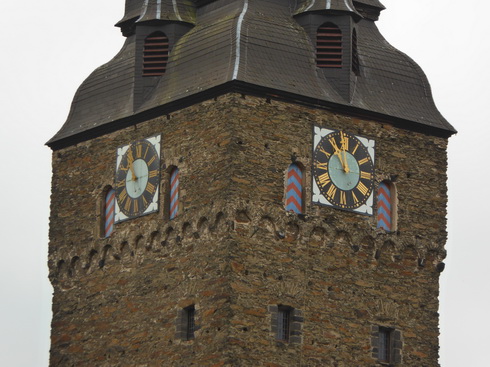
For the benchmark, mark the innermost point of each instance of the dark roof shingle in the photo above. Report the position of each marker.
(261, 46)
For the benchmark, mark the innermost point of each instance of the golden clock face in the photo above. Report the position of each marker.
(137, 178)
(343, 170)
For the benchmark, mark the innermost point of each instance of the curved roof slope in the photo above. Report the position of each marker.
(158, 9)
(105, 96)
(373, 3)
(317, 5)
(392, 83)
(257, 44)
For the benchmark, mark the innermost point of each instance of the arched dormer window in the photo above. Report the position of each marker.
(386, 204)
(109, 206)
(294, 189)
(155, 54)
(329, 46)
(174, 193)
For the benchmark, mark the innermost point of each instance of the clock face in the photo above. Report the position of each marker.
(343, 170)
(137, 178)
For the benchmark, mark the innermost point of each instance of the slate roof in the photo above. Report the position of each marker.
(373, 3)
(318, 5)
(252, 46)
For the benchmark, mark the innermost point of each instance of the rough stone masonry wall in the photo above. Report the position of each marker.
(236, 254)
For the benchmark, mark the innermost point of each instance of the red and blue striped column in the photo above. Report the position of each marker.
(294, 189)
(174, 193)
(110, 201)
(384, 206)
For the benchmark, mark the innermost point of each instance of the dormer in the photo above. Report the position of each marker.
(139, 12)
(331, 26)
(156, 26)
(369, 9)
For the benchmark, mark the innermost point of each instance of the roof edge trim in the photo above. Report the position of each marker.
(247, 89)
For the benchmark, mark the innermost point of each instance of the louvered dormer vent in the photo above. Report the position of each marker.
(155, 54)
(329, 46)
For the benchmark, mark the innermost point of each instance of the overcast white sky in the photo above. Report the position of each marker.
(50, 47)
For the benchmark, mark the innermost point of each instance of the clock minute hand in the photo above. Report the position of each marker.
(345, 143)
(338, 153)
(133, 174)
(346, 165)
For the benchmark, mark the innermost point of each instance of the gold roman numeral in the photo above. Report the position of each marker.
(331, 191)
(354, 198)
(363, 161)
(321, 165)
(366, 175)
(152, 160)
(130, 156)
(324, 179)
(139, 150)
(135, 202)
(362, 188)
(123, 195)
(344, 141)
(343, 198)
(127, 205)
(327, 154)
(334, 143)
(150, 188)
(355, 149)
(153, 173)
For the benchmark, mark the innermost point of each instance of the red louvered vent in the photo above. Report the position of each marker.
(155, 54)
(329, 46)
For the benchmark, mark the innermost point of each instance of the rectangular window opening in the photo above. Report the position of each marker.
(385, 345)
(190, 322)
(284, 323)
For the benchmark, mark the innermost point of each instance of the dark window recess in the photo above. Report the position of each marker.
(155, 54)
(286, 324)
(355, 55)
(387, 345)
(190, 313)
(329, 46)
(384, 347)
(186, 323)
(283, 323)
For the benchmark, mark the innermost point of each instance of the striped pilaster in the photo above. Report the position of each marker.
(110, 201)
(174, 193)
(294, 189)
(384, 207)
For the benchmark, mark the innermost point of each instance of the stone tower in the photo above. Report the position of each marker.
(249, 183)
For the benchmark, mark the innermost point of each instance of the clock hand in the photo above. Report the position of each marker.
(338, 153)
(346, 165)
(133, 174)
(343, 140)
